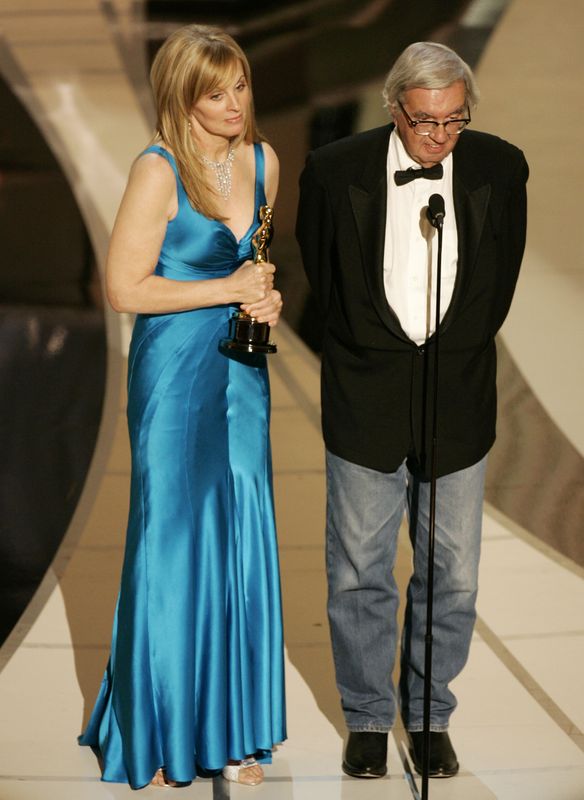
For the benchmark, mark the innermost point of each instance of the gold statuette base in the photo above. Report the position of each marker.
(248, 335)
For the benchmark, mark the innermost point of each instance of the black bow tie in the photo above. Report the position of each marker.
(402, 176)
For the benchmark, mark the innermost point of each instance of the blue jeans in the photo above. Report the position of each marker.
(364, 512)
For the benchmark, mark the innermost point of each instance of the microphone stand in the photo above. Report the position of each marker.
(437, 220)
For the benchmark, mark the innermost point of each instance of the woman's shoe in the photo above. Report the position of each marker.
(160, 779)
(247, 772)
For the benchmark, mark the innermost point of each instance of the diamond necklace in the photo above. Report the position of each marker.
(222, 170)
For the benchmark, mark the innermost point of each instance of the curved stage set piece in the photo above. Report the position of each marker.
(79, 70)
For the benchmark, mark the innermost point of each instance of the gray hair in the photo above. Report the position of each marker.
(428, 65)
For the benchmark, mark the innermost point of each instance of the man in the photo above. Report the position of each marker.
(370, 256)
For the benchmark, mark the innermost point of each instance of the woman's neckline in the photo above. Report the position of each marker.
(219, 221)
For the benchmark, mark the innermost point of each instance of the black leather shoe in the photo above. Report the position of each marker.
(366, 755)
(443, 762)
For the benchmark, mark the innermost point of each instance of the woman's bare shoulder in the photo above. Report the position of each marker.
(152, 166)
(151, 187)
(270, 155)
(272, 172)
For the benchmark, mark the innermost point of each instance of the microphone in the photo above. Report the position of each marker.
(435, 212)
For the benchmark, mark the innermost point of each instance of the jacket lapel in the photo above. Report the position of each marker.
(369, 204)
(471, 192)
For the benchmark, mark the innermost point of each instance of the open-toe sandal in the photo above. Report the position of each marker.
(244, 772)
(161, 780)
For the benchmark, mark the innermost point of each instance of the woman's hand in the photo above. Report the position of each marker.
(266, 310)
(251, 283)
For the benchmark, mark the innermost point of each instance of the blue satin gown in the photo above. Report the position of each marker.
(196, 671)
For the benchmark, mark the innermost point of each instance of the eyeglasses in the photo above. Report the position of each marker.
(425, 127)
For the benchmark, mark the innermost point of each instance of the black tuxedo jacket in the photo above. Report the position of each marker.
(376, 382)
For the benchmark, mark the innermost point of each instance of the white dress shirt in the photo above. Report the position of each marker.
(411, 245)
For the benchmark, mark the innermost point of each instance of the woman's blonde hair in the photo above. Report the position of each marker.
(194, 61)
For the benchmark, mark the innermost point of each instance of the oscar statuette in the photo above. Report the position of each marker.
(246, 334)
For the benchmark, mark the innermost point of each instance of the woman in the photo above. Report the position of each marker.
(195, 679)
